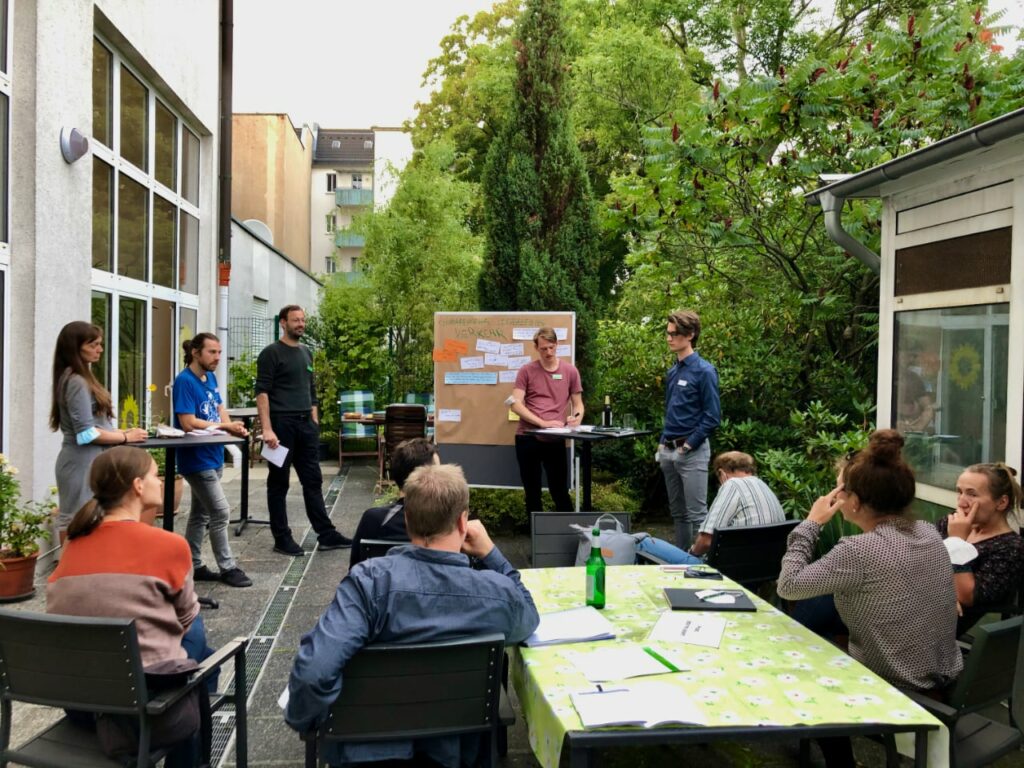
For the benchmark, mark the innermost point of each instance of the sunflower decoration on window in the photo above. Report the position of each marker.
(965, 366)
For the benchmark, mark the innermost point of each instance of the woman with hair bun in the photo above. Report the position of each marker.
(986, 495)
(891, 583)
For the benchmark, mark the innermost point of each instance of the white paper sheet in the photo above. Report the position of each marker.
(572, 626)
(688, 627)
(510, 350)
(648, 703)
(618, 662)
(563, 350)
(470, 363)
(494, 359)
(484, 345)
(561, 334)
(526, 334)
(507, 377)
(518, 362)
(449, 414)
(275, 456)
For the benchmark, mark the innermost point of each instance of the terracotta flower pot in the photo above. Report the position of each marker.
(16, 577)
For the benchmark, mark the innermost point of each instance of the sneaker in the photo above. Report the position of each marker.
(202, 573)
(288, 547)
(235, 577)
(333, 540)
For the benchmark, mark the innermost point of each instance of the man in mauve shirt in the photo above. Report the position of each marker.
(547, 393)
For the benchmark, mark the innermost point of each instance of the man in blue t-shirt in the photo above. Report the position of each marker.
(197, 405)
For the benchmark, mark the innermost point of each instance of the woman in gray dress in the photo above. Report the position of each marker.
(83, 411)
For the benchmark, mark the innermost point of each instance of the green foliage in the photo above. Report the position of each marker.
(242, 382)
(376, 332)
(22, 524)
(502, 510)
(541, 249)
(325, 377)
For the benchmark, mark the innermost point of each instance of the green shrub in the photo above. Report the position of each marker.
(242, 382)
(502, 510)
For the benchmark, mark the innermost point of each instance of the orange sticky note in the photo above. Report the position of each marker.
(456, 346)
(444, 356)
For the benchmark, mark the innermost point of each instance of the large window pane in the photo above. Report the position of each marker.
(166, 145)
(101, 317)
(102, 215)
(131, 228)
(131, 363)
(190, 167)
(188, 253)
(102, 94)
(134, 120)
(949, 388)
(163, 242)
(187, 319)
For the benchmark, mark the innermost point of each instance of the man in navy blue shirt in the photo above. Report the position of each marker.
(419, 593)
(197, 405)
(692, 413)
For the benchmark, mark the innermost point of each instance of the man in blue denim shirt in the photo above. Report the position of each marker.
(692, 413)
(424, 592)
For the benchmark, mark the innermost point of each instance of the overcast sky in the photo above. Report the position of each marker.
(346, 64)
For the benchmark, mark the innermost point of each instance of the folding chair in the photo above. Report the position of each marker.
(355, 401)
(427, 690)
(94, 665)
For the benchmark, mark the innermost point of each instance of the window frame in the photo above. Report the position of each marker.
(118, 286)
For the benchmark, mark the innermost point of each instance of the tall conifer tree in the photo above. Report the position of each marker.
(541, 250)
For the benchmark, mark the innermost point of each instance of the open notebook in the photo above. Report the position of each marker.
(643, 703)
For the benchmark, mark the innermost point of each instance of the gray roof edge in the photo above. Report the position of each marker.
(278, 251)
(980, 136)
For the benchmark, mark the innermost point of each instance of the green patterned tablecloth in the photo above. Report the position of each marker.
(768, 670)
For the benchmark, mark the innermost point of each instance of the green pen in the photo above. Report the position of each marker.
(658, 657)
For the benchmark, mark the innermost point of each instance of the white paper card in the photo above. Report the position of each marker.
(493, 359)
(449, 414)
(646, 702)
(563, 350)
(282, 700)
(691, 628)
(483, 345)
(511, 349)
(561, 334)
(515, 363)
(618, 662)
(507, 377)
(469, 363)
(275, 456)
(526, 334)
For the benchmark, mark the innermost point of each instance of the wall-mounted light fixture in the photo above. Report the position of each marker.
(73, 144)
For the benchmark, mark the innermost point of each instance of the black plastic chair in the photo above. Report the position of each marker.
(427, 690)
(553, 543)
(377, 547)
(991, 675)
(94, 665)
(750, 554)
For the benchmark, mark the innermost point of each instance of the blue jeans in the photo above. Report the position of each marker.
(670, 553)
(209, 508)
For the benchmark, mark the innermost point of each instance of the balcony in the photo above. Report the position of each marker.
(345, 239)
(353, 197)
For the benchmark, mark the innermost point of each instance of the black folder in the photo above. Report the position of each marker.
(687, 600)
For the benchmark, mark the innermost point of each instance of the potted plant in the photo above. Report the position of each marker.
(22, 526)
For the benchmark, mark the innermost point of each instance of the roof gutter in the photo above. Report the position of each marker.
(832, 207)
(832, 196)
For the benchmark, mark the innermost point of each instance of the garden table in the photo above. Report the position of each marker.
(769, 679)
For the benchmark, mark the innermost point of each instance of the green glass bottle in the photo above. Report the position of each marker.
(595, 571)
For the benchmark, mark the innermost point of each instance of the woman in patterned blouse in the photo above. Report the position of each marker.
(892, 584)
(985, 495)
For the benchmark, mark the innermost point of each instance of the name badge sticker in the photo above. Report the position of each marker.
(683, 383)
(556, 376)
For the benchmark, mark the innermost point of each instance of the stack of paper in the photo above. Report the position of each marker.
(690, 628)
(577, 625)
(648, 704)
(619, 662)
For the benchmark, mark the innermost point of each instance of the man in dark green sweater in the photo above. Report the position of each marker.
(287, 406)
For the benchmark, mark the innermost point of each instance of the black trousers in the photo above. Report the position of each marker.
(533, 455)
(297, 433)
